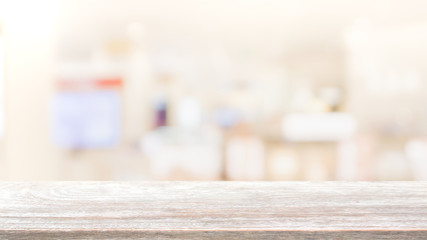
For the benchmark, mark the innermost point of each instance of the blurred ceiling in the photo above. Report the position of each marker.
(271, 27)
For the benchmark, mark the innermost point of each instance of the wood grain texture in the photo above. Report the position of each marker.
(213, 210)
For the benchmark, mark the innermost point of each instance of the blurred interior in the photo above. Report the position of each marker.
(213, 90)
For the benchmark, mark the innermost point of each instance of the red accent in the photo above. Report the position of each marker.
(93, 84)
(114, 82)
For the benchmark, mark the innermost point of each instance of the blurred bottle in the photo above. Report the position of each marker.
(189, 113)
(356, 157)
(160, 112)
(160, 102)
(416, 152)
(244, 155)
(317, 164)
(282, 164)
(392, 165)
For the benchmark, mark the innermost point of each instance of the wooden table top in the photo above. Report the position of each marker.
(213, 210)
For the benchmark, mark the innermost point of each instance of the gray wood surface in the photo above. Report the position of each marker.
(213, 210)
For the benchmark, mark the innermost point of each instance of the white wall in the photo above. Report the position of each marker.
(30, 40)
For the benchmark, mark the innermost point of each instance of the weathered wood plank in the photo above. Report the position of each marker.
(213, 210)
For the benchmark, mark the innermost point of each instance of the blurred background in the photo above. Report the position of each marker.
(213, 90)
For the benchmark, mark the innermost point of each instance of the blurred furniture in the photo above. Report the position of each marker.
(179, 154)
(213, 210)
